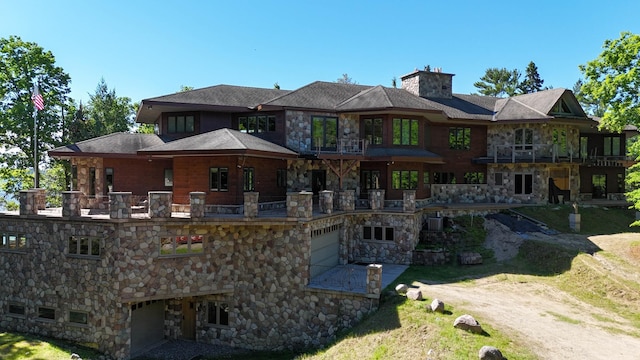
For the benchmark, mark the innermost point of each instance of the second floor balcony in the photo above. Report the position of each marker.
(345, 147)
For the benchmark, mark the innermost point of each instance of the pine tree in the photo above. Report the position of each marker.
(532, 81)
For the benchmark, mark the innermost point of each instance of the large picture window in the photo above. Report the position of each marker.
(404, 179)
(444, 178)
(405, 132)
(523, 139)
(523, 184)
(324, 132)
(373, 131)
(219, 179)
(180, 124)
(611, 146)
(459, 138)
(257, 124)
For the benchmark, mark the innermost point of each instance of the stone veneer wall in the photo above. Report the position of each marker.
(299, 176)
(298, 128)
(83, 165)
(503, 136)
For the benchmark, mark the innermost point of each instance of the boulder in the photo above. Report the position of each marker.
(467, 322)
(437, 306)
(401, 288)
(490, 353)
(414, 294)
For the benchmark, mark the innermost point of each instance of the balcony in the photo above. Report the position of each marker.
(343, 147)
(530, 153)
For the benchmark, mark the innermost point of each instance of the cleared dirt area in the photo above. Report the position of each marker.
(553, 323)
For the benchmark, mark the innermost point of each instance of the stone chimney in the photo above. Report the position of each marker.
(429, 84)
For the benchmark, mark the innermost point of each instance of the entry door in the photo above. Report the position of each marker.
(318, 181)
(188, 319)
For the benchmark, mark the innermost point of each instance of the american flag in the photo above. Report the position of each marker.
(38, 102)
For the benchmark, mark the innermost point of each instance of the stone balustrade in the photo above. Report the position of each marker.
(347, 200)
(376, 199)
(197, 201)
(41, 198)
(71, 203)
(300, 204)
(160, 204)
(374, 279)
(28, 202)
(251, 204)
(120, 205)
(409, 200)
(326, 201)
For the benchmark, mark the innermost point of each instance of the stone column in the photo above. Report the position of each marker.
(409, 200)
(71, 203)
(326, 201)
(196, 199)
(160, 204)
(347, 200)
(41, 198)
(374, 279)
(28, 202)
(120, 205)
(300, 205)
(251, 204)
(376, 199)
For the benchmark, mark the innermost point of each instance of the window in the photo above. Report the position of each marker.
(248, 179)
(459, 138)
(324, 132)
(84, 245)
(611, 146)
(584, 150)
(281, 178)
(560, 140)
(257, 124)
(620, 182)
(474, 178)
(405, 132)
(382, 233)
(523, 184)
(16, 309)
(561, 107)
(78, 317)
(523, 139)
(181, 244)
(217, 313)
(425, 179)
(404, 179)
(92, 181)
(180, 124)
(46, 313)
(108, 179)
(369, 179)
(444, 178)
(13, 242)
(373, 131)
(498, 178)
(219, 179)
(168, 177)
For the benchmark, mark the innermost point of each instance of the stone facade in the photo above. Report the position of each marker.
(84, 166)
(428, 84)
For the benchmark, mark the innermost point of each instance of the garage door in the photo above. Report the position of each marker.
(325, 249)
(147, 325)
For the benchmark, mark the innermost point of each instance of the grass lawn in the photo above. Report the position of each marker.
(16, 346)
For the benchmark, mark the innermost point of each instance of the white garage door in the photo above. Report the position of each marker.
(325, 249)
(147, 325)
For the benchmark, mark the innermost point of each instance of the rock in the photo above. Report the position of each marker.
(414, 294)
(401, 288)
(490, 353)
(437, 306)
(75, 357)
(467, 322)
(469, 258)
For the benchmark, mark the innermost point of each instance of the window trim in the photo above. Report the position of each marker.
(11, 304)
(178, 240)
(522, 179)
(75, 323)
(520, 137)
(219, 183)
(325, 141)
(91, 242)
(185, 127)
(387, 233)
(220, 307)
(459, 138)
(281, 178)
(479, 175)
(398, 184)
(373, 131)
(20, 242)
(405, 129)
(40, 315)
(248, 179)
(256, 124)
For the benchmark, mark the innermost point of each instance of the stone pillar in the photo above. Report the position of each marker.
(28, 202)
(574, 222)
(196, 200)
(300, 205)
(326, 201)
(347, 200)
(41, 198)
(160, 203)
(376, 199)
(120, 205)
(251, 204)
(374, 279)
(71, 203)
(409, 200)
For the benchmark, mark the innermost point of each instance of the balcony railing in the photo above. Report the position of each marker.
(530, 153)
(343, 147)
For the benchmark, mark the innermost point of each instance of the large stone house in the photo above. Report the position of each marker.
(226, 225)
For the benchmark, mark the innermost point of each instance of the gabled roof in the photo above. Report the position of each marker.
(218, 98)
(219, 142)
(538, 105)
(116, 144)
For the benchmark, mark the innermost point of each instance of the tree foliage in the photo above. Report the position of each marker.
(532, 81)
(345, 79)
(613, 79)
(499, 82)
(590, 106)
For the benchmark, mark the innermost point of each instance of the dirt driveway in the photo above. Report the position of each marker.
(553, 323)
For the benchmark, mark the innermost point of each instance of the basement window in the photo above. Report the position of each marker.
(181, 245)
(84, 246)
(46, 313)
(78, 317)
(16, 309)
(13, 242)
(217, 313)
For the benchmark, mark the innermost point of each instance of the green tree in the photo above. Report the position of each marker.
(592, 107)
(532, 81)
(21, 64)
(106, 113)
(345, 79)
(499, 82)
(184, 88)
(613, 79)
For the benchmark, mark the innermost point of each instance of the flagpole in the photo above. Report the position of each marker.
(35, 150)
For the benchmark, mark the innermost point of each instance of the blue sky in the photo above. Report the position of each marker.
(145, 48)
